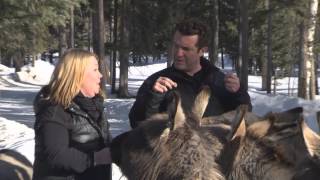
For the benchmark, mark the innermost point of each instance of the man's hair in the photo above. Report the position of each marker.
(189, 27)
(68, 75)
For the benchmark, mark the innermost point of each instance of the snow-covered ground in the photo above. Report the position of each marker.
(18, 90)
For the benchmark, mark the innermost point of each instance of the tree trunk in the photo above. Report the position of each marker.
(214, 42)
(222, 58)
(316, 73)
(18, 60)
(33, 62)
(318, 118)
(264, 69)
(174, 15)
(98, 39)
(243, 44)
(310, 53)
(62, 40)
(90, 31)
(71, 33)
(269, 48)
(170, 55)
(113, 62)
(302, 84)
(124, 50)
(317, 56)
(308, 59)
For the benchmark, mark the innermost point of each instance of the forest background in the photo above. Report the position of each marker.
(271, 38)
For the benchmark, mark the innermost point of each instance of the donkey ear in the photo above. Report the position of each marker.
(238, 126)
(176, 115)
(291, 116)
(311, 139)
(284, 124)
(201, 103)
(277, 126)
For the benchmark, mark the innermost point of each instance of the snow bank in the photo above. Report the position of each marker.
(40, 74)
(5, 70)
(17, 136)
(263, 104)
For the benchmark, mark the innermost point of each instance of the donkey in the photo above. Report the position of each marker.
(14, 166)
(170, 146)
(236, 145)
(309, 168)
(270, 147)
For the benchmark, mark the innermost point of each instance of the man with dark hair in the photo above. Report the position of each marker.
(189, 73)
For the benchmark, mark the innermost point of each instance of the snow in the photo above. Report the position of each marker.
(17, 136)
(35, 74)
(5, 70)
(17, 117)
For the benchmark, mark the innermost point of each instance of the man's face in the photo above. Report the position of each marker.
(186, 53)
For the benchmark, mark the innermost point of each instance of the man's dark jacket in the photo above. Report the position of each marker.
(149, 102)
(66, 139)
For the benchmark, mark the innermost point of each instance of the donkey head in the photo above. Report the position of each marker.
(14, 165)
(294, 143)
(271, 148)
(309, 168)
(169, 146)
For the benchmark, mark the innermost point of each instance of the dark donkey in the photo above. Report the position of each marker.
(236, 145)
(14, 166)
(309, 168)
(170, 146)
(276, 146)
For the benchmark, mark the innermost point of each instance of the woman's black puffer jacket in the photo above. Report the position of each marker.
(65, 139)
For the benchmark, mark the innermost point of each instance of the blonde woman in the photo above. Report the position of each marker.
(71, 131)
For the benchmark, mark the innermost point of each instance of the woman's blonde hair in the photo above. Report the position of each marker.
(68, 75)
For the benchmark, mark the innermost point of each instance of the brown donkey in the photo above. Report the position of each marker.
(236, 145)
(170, 146)
(309, 168)
(276, 146)
(14, 166)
